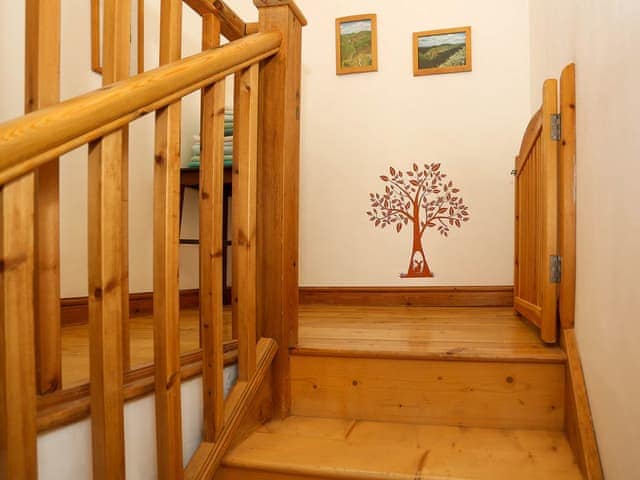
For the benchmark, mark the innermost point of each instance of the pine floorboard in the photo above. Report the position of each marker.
(332, 448)
(489, 333)
(406, 332)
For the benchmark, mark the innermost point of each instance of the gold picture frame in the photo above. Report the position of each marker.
(442, 51)
(356, 44)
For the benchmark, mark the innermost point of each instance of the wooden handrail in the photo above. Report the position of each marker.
(30, 141)
(208, 457)
(232, 27)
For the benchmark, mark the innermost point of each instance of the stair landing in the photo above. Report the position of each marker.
(303, 447)
(475, 333)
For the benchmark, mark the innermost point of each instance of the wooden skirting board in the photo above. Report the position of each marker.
(74, 310)
(578, 421)
(490, 296)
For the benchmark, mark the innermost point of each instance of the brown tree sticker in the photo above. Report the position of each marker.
(418, 198)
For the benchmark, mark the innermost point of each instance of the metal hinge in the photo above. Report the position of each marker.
(556, 126)
(555, 268)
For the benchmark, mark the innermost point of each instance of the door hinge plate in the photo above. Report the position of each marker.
(556, 127)
(555, 268)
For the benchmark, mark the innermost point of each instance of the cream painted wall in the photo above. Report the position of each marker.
(553, 41)
(354, 127)
(605, 39)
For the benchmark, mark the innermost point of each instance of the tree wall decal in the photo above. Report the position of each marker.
(418, 198)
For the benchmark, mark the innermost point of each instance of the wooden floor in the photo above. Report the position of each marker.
(421, 332)
(75, 344)
(305, 448)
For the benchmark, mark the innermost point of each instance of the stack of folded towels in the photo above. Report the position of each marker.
(228, 143)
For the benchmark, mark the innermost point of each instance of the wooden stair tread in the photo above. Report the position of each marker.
(429, 333)
(350, 449)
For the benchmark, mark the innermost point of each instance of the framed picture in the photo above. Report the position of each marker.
(356, 44)
(442, 51)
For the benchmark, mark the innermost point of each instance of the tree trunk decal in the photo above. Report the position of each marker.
(422, 198)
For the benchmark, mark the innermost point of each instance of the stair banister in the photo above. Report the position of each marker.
(278, 189)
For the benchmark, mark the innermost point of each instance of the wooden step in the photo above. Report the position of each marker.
(426, 333)
(301, 448)
(474, 367)
(441, 392)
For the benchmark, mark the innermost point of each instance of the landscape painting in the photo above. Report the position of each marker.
(356, 44)
(442, 51)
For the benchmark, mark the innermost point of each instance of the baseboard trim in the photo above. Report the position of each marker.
(75, 310)
(485, 296)
(578, 421)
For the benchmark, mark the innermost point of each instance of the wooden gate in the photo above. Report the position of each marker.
(536, 218)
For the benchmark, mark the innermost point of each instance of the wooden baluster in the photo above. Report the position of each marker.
(166, 306)
(17, 357)
(234, 284)
(278, 189)
(42, 89)
(108, 286)
(211, 241)
(243, 209)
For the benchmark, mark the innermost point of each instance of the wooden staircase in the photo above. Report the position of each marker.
(322, 448)
(388, 408)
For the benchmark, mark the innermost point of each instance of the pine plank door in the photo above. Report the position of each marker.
(536, 219)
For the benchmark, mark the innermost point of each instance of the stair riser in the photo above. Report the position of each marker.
(464, 393)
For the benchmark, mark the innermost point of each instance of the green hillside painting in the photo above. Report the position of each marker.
(437, 51)
(356, 44)
(442, 51)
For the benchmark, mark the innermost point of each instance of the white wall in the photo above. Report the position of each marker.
(553, 41)
(608, 224)
(56, 463)
(354, 127)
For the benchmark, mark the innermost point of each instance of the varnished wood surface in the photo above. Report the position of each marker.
(301, 447)
(579, 423)
(232, 26)
(278, 188)
(42, 89)
(18, 451)
(567, 196)
(30, 141)
(75, 344)
(211, 180)
(462, 393)
(489, 333)
(243, 218)
(473, 296)
(108, 260)
(238, 407)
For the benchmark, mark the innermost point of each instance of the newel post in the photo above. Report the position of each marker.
(278, 189)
